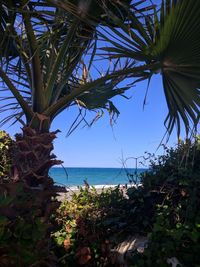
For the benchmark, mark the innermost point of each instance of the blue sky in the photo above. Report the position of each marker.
(135, 132)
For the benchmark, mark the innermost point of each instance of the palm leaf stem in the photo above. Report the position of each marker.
(66, 100)
(28, 112)
(23, 55)
(53, 75)
(71, 67)
(37, 80)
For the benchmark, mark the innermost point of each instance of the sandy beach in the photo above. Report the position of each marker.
(75, 189)
(61, 196)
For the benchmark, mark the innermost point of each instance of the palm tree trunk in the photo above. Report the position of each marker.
(33, 155)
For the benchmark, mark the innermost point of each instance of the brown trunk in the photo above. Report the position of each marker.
(33, 158)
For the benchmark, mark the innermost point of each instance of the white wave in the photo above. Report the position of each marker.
(75, 188)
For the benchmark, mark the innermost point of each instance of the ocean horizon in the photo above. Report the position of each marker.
(95, 176)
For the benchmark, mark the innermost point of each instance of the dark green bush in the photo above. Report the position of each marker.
(85, 224)
(177, 164)
(25, 227)
(176, 227)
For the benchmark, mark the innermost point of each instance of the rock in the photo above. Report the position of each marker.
(122, 253)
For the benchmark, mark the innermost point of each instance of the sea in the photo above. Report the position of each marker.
(98, 177)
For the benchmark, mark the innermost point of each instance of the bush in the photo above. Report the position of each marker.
(6, 146)
(176, 229)
(25, 227)
(85, 224)
(177, 164)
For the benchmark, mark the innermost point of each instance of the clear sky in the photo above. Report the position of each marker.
(135, 132)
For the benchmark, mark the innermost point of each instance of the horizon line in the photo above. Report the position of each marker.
(98, 167)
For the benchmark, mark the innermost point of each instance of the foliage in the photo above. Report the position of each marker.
(46, 58)
(166, 208)
(167, 41)
(181, 162)
(54, 50)
(175, 231)
(6, 147)
(96, 222)
(85, 223)
(25, 226)
(86, 228)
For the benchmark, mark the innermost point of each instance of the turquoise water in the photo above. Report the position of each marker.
(94, 176)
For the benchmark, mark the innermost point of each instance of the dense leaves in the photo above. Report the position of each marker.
(181, 162)
(82, 236)
(25, 226)
(175, 232)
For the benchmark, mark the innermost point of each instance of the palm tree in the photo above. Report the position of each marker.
(43, 64)
(165, 41)
(43, 72)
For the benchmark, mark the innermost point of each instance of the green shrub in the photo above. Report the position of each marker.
(85, 225)
(6, 144)
(25, 227)
(176, 228)
(181, 162)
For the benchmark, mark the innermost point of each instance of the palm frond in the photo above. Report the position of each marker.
(170, 37)
(45, 44)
